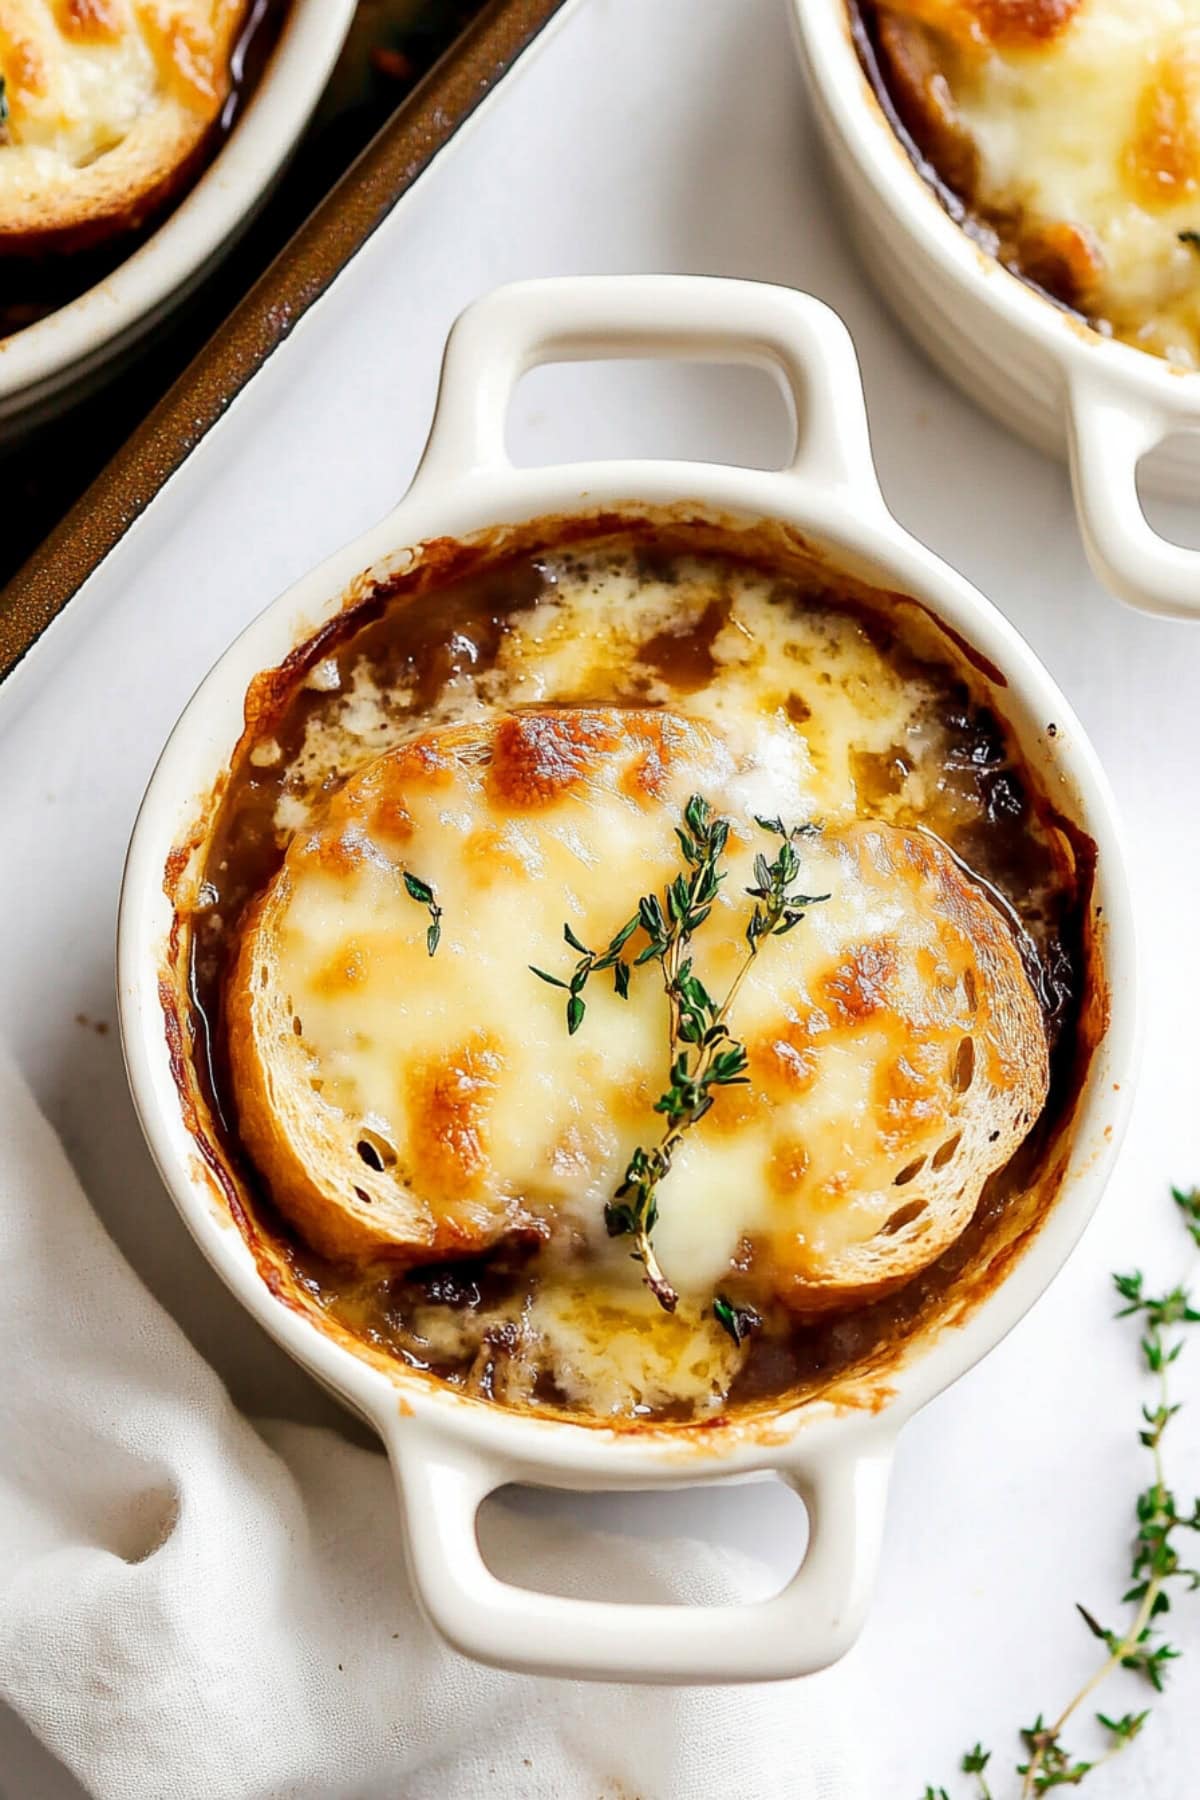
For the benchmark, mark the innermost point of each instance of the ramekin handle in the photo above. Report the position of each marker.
(1109, 433)
(693, 318)
(809, 1625)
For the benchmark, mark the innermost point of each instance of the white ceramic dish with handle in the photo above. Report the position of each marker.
(1041, 370)
(450, 1452)
(71, 344)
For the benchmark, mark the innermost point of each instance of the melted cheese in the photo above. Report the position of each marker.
(459, 1070)
(850, 732)
(612, 1351)
(460, 1067)
(1085, 120)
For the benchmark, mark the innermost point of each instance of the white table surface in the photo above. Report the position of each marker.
(656, 134)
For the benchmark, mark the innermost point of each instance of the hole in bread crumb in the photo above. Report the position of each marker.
(297, 1027)
(375, 1151)
(944, 1152)
(902, 1217)
(964, 1065)
(364, 1197)
(963, 1071)
(909, 1172)
(263, 976)
(970, 989)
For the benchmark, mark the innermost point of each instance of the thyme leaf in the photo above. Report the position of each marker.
(704, 1054)
(738, 1321)
(423, 894)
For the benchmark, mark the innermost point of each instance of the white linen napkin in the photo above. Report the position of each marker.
(195, 1605)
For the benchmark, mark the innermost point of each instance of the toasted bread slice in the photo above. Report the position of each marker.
(377, 1142)
(959, 1072)
(414, 1105)
(333, 1170)
(107, 106)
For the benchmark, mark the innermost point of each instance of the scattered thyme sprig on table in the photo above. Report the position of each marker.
(1140, 1646)
(423, 894)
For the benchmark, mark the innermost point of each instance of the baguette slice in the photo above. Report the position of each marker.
(961, 1073)
(410, 1107)
(109, 105)
(330, 1171)
(409, 1175)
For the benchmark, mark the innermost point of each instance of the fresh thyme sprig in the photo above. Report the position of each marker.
(688, 904)
(974, 1762)
(590, 963)
(423, 894)
(704, 1053)
(1156, 1560)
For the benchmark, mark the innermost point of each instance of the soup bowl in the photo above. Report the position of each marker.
(1041, 370)
(449, 1451)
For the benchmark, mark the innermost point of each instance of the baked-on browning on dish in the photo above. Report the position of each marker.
(635, 980)
(107, 107)
(1065, 134)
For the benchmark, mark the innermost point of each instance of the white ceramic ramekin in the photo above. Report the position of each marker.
(71, 344)
(1040, 370)
(450, 1452)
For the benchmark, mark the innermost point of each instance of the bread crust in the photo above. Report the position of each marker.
(308, 1151)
